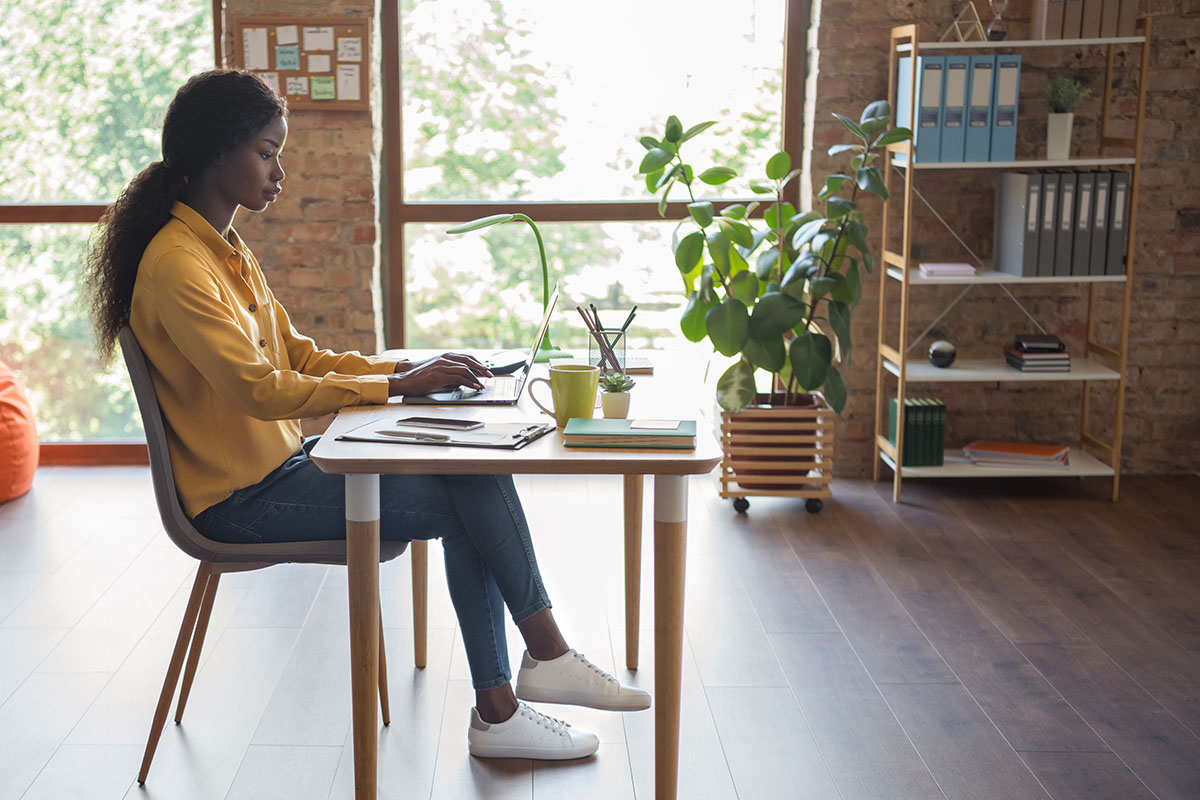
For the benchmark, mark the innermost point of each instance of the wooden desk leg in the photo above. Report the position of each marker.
(633, 566)
(420, 598)
(670, 553)
(362, 561)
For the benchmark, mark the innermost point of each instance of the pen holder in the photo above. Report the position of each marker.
(609, 356)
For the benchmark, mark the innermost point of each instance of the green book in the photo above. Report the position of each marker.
(923, 431)
(655, 433)
(941, 434)
(912, 447)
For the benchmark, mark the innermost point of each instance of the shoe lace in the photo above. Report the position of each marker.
(545, 720)
(589, 665)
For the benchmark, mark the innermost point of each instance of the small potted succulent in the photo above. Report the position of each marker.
(1062, 96)
(615, 398)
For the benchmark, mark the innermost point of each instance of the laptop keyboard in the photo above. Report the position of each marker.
(501, 387)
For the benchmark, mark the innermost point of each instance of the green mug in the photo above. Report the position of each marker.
(572, 390)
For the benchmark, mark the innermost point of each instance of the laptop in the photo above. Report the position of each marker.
(501, 390)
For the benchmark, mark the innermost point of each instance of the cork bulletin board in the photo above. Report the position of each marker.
(314, 63)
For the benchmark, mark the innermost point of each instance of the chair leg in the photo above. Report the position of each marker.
(383, 687)
(193, 659)
(420, 591)
(172, 679)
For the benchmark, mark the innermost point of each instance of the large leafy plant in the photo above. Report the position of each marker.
(779, 294)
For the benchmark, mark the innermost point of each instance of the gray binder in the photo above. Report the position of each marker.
(1047, 237)
(1096, 260)
(1081, 249)
(1016, 223)
(1066, 224)
(1117, 220)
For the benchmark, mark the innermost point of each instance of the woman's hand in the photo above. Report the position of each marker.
(444, 372)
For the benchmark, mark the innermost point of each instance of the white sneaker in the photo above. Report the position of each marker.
(574, 680)
(529, 734)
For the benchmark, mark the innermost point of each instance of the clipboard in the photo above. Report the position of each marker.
(493, 435)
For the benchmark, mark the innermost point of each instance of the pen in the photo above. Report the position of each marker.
(596, 315)
(629, 319)
(419, 437)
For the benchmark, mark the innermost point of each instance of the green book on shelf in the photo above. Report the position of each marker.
(939, 438)
(892, 427)
(926, 431)
(673, 434)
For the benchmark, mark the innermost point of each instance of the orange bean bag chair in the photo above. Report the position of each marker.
(18, 437)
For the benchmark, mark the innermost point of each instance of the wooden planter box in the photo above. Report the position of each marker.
(777, 451)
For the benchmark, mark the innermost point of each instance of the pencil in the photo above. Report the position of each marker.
(629, 319)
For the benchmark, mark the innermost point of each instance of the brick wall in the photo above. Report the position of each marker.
(1161, 427)
(318, 243)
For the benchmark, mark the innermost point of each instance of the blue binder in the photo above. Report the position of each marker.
(954, 111)
(1004, 108)
(930, 80)
(978, 144)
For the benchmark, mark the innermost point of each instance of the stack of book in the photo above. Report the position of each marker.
(1084, 19)
(657, 433)
(1038, 353)
(924, 431)
(946, 269)
(1016, 454)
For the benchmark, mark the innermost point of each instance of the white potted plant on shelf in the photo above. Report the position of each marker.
(1062, 96)
(615, 398)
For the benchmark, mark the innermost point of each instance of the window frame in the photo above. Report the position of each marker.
(396, 212)
(89, 453)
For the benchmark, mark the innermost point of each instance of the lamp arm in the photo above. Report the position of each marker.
(541, 254)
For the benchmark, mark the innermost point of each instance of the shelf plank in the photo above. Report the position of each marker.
(1025, 164)
(1018, 44)
(980, 370)
(993, 277)
(959, 466)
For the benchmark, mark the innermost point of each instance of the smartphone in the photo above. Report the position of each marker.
(444, 423)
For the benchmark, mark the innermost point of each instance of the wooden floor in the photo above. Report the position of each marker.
(1006, 640)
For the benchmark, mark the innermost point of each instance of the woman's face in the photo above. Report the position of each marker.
(250, 175)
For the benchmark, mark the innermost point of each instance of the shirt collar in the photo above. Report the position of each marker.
(208, 234)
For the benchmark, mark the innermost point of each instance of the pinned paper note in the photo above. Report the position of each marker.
(319, 38)
(287, 34)
(347, 82)
(254, 48)
(296, 86)
(349, 49)
(271, 79)
(287, 57)
(319, 64)
(322, 87)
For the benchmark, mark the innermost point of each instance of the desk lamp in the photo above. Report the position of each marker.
(546, 349)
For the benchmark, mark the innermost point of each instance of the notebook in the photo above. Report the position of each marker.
(501, 390)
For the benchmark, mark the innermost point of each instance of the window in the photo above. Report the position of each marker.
(531, 106)
(85, 88)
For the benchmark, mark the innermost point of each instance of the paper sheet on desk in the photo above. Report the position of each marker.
(499, 435)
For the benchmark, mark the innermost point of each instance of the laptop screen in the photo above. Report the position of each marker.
(541, 334)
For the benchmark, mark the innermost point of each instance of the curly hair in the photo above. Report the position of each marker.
(213, 113)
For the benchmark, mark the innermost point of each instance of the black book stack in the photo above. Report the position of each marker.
(1038, 352)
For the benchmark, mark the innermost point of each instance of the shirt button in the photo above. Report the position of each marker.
(253, 308)
(262, 342)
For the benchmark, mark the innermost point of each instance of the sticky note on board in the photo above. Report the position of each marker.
(287, 57)
(323, 88)
(347, 82)
(254, 48)
(318, 38)
(349, 49)
(297, 86)
(287, 34)
(319, 64)
(271, 79)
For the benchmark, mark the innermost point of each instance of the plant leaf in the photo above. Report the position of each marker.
(811, 356)
(745, 286)
(741, 233)
(734, 211)
(655, 158)
(874, 126)
(482, 222)
(652, 180)
(851, 126)
(839, 320)
(667, 176)
(696, 129)
(767, 353)
(807, 231)
(762, 187)
(834, 390)
(702, 212)
(877, 110)
(674, 131)
(728, 325)
(821, 286)
(718, 248)
(774, 313)
(832, 184)
(856, 232)
(715, 176)
(692, 321)
(648, 142)
(662, 201)
(838, 149)
(735, 389)
(892, 136)
(766, 262)
(869, 180)
(836, 207)
(778, 165)
(689, 251)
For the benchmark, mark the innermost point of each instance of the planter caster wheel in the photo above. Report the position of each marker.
(740, 504)
(812, 505)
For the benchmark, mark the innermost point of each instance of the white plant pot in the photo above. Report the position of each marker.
(1058, 137)
(615, 404)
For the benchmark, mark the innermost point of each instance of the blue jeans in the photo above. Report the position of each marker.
(488, 553)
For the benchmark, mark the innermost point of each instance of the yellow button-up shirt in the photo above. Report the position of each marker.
(233, 377)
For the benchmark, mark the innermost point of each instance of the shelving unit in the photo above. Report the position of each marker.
(1098, 362)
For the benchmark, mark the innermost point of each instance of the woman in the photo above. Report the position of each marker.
(233, 378)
